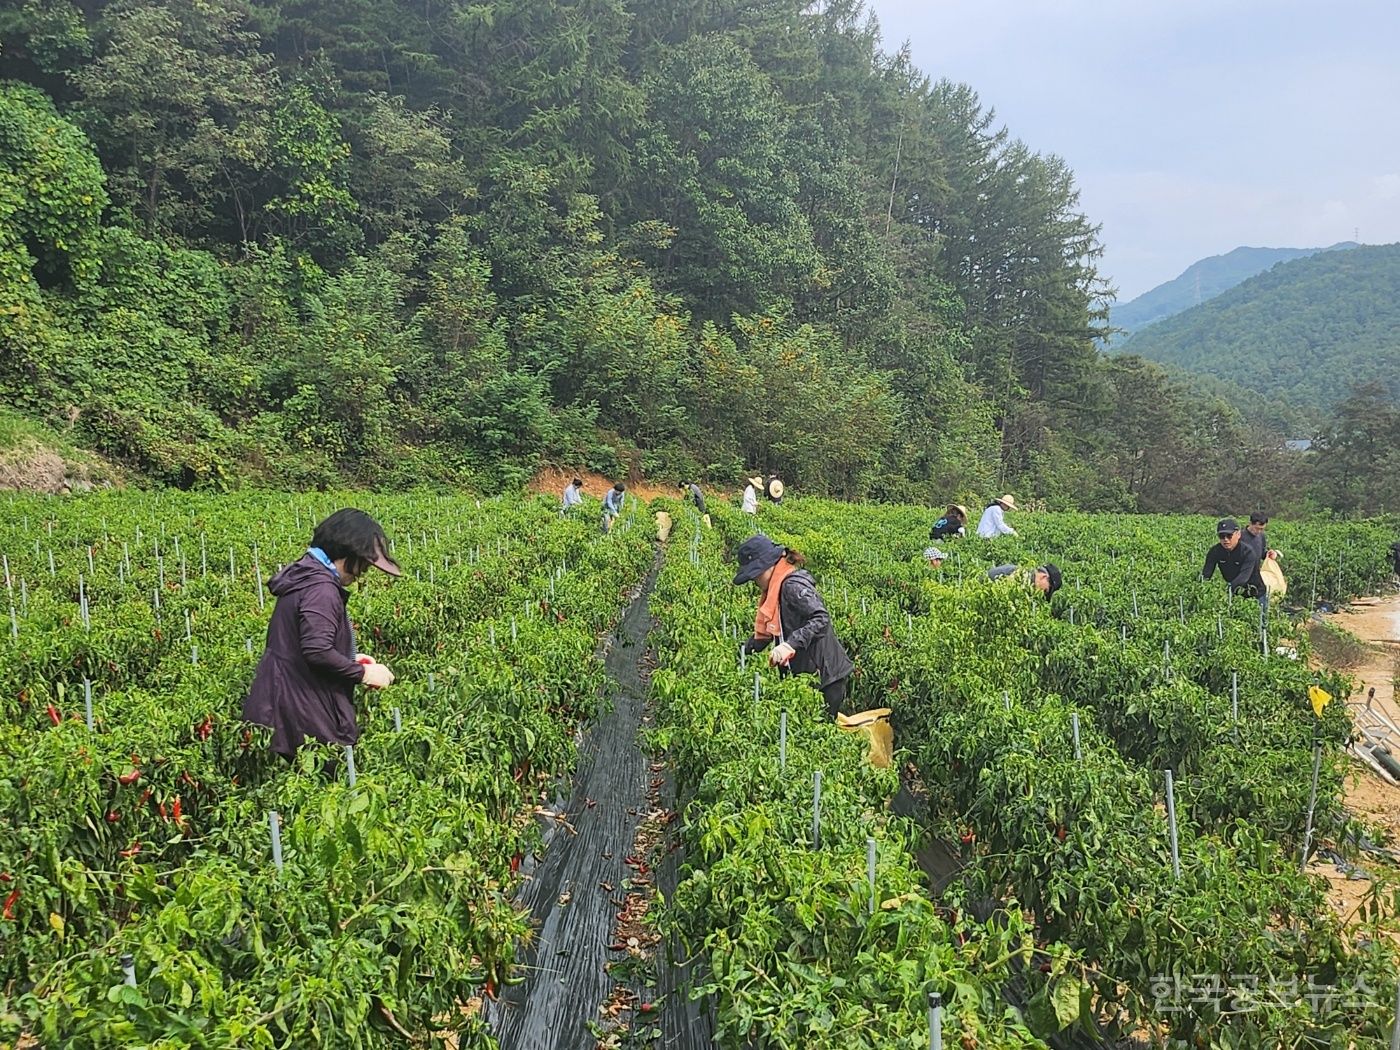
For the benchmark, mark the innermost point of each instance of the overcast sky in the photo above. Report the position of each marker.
(1193, 126)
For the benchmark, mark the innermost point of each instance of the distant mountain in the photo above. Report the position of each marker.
(1205, 280)
(1302, 332)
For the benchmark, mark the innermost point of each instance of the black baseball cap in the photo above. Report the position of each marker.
(1052, 571)
(1259, 518)
(1226, 527)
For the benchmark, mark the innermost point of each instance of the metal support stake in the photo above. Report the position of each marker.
(274, 824)
(1312, 806)
(350, 764)
(782, 742)
(1074, 725)
(817, 810)
(935, 1021)
(87, 702)
(1171, 826)
(871, 852)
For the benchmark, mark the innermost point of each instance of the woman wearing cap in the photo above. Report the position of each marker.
(791, 613)
(1044, 578)
(993, 523)
(751, 495)
(305, 682)
(953, 523)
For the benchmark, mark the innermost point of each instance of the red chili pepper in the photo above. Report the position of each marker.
(968, 836)
(131, 850)
(175, 810)
(5, 876)
(8, 912)
(145, 796)
(490, 986)
(1060, 833)
(515, 863)
(205, 728)
(54, 716)
(127, 779)
(160, 808)
(112, 816)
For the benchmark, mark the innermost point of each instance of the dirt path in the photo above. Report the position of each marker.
(1376, 623)
(1372, 661)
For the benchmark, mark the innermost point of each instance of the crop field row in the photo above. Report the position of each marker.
(166, 882)
(141, 839)
(1037, 736)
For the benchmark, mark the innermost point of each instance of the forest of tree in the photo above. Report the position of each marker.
(1202, 280)
(1302, 332)
(312, 242)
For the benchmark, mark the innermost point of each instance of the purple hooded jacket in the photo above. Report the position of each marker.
(305, 682)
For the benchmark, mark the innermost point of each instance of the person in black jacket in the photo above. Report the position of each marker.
(952, 523)
(791, 613)
(1238, 561)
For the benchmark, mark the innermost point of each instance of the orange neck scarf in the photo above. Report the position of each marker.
(768, 621)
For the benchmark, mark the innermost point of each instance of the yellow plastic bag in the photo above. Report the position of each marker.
(1273, 578)
(1319, 699)
(706, 519)
(663, 526)
(875, 725)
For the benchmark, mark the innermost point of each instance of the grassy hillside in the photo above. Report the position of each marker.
(1204, 280)
(1303, 332)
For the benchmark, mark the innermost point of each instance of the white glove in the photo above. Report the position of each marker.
(377, 676)
(781, 654)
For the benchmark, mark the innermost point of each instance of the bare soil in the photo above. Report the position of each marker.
(31, 466)
(1371, 659)
(551, 481)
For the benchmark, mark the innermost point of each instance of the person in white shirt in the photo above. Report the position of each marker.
(751, 496)
(993, 523)
(573, 495)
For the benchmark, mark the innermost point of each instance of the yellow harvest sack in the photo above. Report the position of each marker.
(706, 519)
(663, 526)
(1273, 578)
(875, 725)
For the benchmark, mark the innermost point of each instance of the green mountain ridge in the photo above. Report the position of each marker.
(1304, 332)
(1204, 280)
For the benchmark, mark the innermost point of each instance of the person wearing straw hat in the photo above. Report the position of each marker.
(993, 523)
(750, 505)
(953, 523)
(304, 685)
(775, 489)
(792, 614)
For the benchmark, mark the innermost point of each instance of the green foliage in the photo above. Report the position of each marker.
(678, 237)
(392, 909)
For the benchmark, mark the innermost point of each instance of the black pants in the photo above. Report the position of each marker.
(835, 694)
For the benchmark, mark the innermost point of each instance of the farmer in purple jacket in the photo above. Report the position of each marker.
(305, 683)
